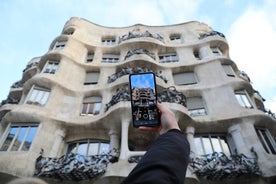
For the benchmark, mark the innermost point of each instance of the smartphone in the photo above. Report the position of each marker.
(144, 100)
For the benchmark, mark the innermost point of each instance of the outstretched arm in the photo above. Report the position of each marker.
(166, 160)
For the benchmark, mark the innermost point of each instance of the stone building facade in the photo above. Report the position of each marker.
(68, 119)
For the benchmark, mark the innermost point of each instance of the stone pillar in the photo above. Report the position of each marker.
(236, 134)
(190, 131)
(114, 140)
(204, 52)
(58, 140)
(124, 139)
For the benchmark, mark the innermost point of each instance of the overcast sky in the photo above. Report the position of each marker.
(29, 26)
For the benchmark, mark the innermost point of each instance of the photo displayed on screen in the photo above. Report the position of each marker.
(143, 100)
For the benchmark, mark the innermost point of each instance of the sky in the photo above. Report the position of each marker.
(143, 81)
(29, 26)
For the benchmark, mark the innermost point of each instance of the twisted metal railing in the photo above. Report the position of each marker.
(133, 34)
(211, 33)
(169, 94)
(218, 166)
(128, 70)
(74, 167)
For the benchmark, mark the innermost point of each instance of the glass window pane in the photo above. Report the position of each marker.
(9, 139)
(216, 145)
(207, 145)
(93, 149)
(19, 139)
(29, 139)
(91, 107)
(82, 149)
(84, 108)
(104, 148)
(97, 108)
(33, 95)
(44, 97)
(238, 97)
(246, 101)
(225, 146)
(38, 97)
(72, 148)
(199, 147)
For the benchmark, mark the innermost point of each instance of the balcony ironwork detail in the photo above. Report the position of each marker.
(132, 35)
(270, 113)
(128, 70)
(139, 51)
(122, 94)
(18, 84)
(211, 33)
(9, 100)
(31, 65)
(74, 167)
(169, 94)
(218, 166)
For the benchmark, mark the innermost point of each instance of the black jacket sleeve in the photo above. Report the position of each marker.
(164, 163)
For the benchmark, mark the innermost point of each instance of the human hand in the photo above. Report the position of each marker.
(167, 119)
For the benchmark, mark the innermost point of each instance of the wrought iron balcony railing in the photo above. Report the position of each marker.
(139, 51)
(133, 34)
(128, 70)
(212, 33)
(218, 166)
(169, 94)
(73, 166)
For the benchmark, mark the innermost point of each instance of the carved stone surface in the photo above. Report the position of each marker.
(169, 94)
(139, 51)
(73, 166)
(127, 71)
(218, 166)
(212, 33)
(133, 34)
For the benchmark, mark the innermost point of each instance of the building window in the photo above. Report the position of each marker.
(266, 140)
(89, 57)
(176, 38)
(60, 45)
(110, 58)
(51, 67)
(167, 58)
(108, 41)
(19, 138)
(196, 54)
(38, 96)
(91, 106)
(185, 78)
(89, 147)
(229, 70)
(243, 99)
(216, 51)
(91, 78)
(196, 106)
(210, 143)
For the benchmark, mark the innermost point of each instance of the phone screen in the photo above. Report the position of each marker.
(144, 99)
